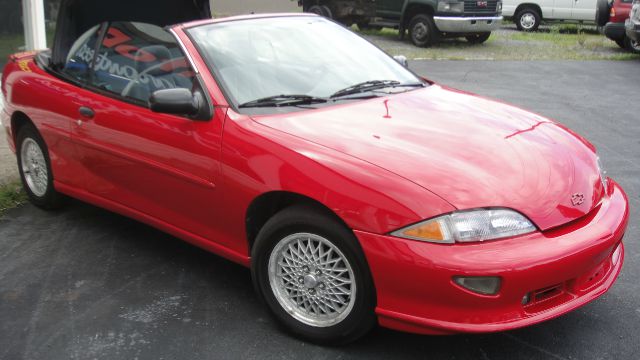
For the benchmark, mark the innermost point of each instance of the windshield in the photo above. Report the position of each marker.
(302, 58)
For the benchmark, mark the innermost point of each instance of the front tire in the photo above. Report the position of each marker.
(528, 19)
(34, 166)
(422, 30)
(633, 46)
(311, 272)
(478, 38)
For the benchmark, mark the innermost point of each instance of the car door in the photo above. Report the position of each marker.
(391, 9)
(584, 10)
(59, 97)
(562, 9)
(159, 166)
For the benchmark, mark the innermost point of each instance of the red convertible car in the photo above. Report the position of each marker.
(356, 191)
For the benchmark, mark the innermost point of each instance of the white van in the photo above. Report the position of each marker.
(527, 14)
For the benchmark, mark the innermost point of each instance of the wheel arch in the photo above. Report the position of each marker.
(414, 9)
(266, 205)
(19, 120)
(533, 6)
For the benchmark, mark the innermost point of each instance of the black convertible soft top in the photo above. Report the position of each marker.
(77, 16)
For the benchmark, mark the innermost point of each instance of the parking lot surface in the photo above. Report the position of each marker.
(84, 283)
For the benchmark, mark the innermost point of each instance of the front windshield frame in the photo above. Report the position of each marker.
(235, 105)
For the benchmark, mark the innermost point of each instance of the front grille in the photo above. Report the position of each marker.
(477, 6)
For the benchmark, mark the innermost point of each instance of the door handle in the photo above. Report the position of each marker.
(87, 112)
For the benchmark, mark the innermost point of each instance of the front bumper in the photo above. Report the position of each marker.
(562, 269)
(452, 24)
(632, 30)
(614, 31)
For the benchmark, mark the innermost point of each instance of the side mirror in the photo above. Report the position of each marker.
(402, 60)
(176, 101)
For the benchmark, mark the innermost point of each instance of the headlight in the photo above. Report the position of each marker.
(451, 6)
(469, 226)
(603, 175)
(499, 6)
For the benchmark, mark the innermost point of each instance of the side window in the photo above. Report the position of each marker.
(81, 55)
(136, 59)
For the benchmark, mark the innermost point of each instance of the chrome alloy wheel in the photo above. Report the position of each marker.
(312, 279)
(527, 21)
(34, 167)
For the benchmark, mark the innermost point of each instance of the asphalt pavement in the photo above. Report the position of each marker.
(84, 283)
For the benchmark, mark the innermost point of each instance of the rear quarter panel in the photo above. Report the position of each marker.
(48, 102)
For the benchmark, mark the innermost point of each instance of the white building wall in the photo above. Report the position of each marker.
(34, 26)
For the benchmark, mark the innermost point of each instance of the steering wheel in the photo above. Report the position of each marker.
(130, 85)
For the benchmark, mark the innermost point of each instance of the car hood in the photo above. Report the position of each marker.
(471, 151)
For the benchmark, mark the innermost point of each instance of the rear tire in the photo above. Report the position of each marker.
(422, 30)
(316, 9)
(602, 12)
(478, 38)
(327, 12)
(321, 295)
(528, 19)
(34, 166)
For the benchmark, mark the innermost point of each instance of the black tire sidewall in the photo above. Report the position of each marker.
(431, 28)
(51, 198)
(299, 219)
(326, 11)
(628, 44)
(315, 9)
(602, 12)
(525, 11)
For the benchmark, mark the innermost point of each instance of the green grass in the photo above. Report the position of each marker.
(9, 44)
(13, 43)
(11, 195)
(557, 42)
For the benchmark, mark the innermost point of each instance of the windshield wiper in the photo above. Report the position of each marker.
(372, 85)
(283, 100)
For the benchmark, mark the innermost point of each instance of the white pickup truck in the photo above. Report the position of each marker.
(528, 14)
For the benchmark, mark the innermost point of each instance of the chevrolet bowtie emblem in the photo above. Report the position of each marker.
(577, 199)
